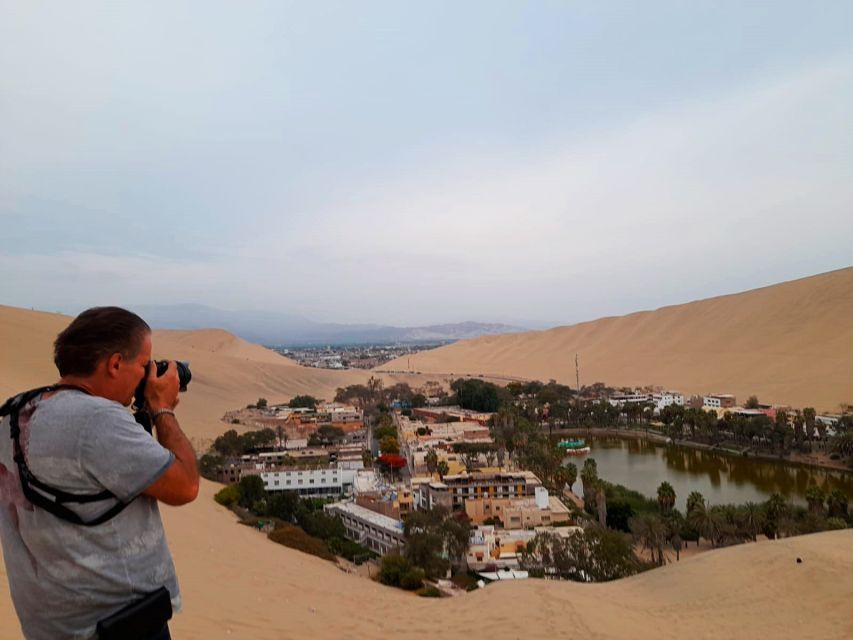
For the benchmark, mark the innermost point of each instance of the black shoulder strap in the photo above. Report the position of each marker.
(50, 499)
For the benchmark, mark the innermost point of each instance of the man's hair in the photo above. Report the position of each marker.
(96, 334)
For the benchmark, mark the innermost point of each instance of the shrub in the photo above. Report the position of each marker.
(464, 581)
(251, 490)
(292, 536)
(392, 569)
(429, 591)
(209, 464)
(413, 579)
(348, 549)
(228, 496)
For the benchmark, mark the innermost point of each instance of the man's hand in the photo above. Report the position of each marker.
(162, 392)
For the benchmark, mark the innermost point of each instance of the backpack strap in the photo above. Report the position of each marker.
(38, 493)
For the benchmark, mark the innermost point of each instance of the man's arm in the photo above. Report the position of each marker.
(179, 484)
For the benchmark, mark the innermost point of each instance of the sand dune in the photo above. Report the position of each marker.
(789, 343)
(237, 584)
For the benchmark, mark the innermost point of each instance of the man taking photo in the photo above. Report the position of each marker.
(96, 564)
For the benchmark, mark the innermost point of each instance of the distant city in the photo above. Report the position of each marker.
(363, 356)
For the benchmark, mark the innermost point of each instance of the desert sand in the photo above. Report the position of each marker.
(235, 583)
(789, 344)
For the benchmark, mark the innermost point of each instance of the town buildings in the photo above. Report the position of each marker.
(656, 399)
(719, 401)
(518, 513)
(315, 483)
(455, 489)
(376, 531)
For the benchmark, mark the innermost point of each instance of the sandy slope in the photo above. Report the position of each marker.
(788, 343)
(237, 584)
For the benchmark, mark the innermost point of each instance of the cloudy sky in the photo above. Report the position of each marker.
(410, 163)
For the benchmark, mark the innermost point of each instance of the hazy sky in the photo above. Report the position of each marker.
(409, 163)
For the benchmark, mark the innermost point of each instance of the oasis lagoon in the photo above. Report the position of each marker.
(642, 466)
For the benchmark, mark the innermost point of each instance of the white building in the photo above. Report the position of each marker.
(634, 397)
(342, 413)
(375, 531)
(719, 401)
(667, 399)
(320, 482)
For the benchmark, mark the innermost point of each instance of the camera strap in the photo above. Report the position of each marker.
(38, 493)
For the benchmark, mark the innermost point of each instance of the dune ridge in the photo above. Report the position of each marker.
(788, 343)
(235, 583)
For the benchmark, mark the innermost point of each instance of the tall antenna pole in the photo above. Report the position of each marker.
(577, 374)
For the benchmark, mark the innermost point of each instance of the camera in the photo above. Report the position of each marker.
(184, 377)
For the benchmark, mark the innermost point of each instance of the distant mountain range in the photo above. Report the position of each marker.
(273, 328)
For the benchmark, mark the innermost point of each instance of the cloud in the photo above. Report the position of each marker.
(726, 191)
(703, 193)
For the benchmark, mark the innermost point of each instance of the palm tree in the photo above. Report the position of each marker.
(650, 532)
(751, 519)
(815, 497)
(601, 504)
(571, 473)
(443, 469)
(776, 508)
(431, 460)
(836, 504)
(666, 497)
(702, 520)
(843, 443)
(589, 478)
(693, 500)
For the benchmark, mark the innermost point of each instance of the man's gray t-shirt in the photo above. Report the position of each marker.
(65, 577)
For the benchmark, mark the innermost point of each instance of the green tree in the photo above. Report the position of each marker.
(326, 434)
(751, 403)
(751, 520)
(589, 478)
(809, 417)
(776, 515)
(303, 402)
(815, 497)
(418, 400)
(596, 554)
(209, 465)
(479, 395)
(392, 568)
(389, 444)
(251, 490)
(666, 497)
(651, 533)
(694, 500)
(442, 468)
(435, 540)
(837, 504)
(229, 444)
(283, 505)
(431, 460)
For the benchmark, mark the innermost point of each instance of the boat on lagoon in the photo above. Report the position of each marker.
(573, 446)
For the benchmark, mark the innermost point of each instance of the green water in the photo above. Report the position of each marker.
(642, 466)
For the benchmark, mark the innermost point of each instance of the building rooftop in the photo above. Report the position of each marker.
(372, 517)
